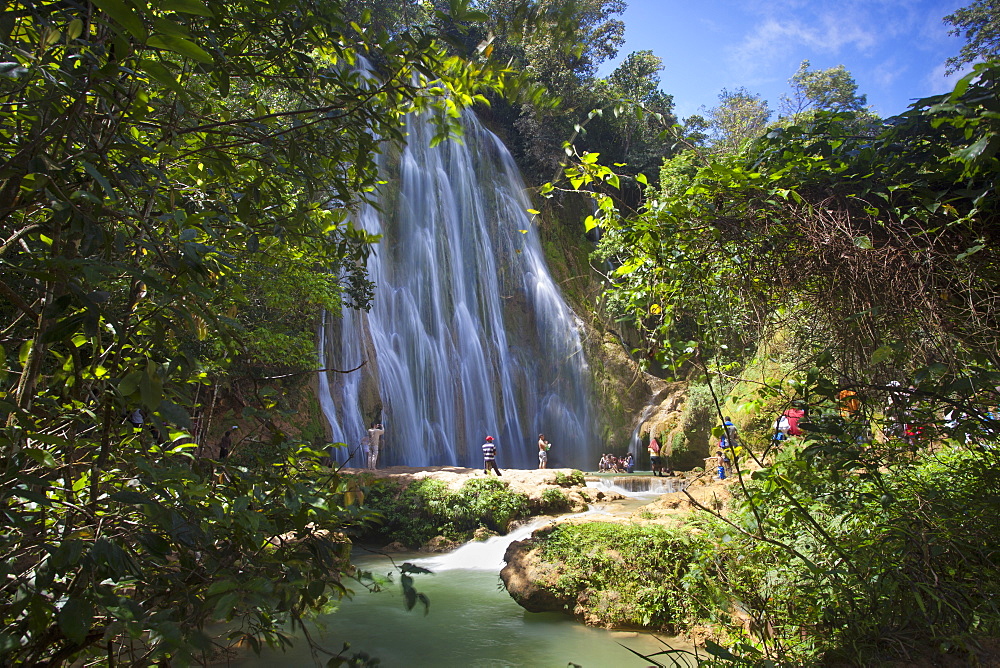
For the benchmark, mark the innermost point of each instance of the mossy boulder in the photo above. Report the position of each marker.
(603, 573)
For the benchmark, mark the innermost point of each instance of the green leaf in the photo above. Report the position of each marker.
(31, 495)
(74, 30)
(151, 387)
(972, 152)
(970, 251)
(224, 608)
(130, 383)
(863, 242)
(161, 73)
(196, 7)
(882, 354)
(101, 179)
(174, 414)
(42, 457)
(132, 498)
(180, 46)
(719, 651)
(125, 16)
(75, 619)
(221, 587)
(24, 351)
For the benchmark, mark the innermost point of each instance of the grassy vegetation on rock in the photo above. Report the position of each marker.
(622, 575)
(415, 514)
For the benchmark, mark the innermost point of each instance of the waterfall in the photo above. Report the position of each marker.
(638, 486)
(484, 555)
(468, 335)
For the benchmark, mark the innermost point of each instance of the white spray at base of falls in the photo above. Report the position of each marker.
(488, 555)
(484, 555)
(468, 335)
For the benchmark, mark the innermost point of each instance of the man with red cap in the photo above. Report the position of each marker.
(490, 456)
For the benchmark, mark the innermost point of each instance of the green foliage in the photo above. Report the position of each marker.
(832, 89)
(137, 559)
(554, 501)
(632, 574)
(867, 536)
(635, 132)
(559, 44)
(740, 117)
(572, 479)
(979, 24)
(175, 175)
(427, 508)
(811, 223)
(841, 556)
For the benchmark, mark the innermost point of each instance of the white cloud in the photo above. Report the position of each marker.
(937, 81)
(773, 40)
(886, 73)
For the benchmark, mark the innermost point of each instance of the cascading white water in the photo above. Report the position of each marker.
(638, 486)
(468, 335)
(486, 555)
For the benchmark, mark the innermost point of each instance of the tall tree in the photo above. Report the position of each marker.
(637, 115)
(832, 89)
(979, 24)
(739, 117)
(156, 154)
(559, 44)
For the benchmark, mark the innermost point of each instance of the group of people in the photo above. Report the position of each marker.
(611, 464)
(490, 454)
(729, 450)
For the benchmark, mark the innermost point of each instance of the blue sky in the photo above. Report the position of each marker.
(895, 49)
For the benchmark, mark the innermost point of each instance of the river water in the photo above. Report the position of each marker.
(472, 622)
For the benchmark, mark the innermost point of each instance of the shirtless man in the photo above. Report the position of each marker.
(543, 452)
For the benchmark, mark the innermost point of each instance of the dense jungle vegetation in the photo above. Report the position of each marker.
(175, 198)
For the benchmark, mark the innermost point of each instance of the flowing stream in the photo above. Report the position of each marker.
(471, 622)
(469, 335)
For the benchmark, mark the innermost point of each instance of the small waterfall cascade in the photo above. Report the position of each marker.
(634, 441)
(638, 486)
(468, 335)
(485, 555)
(488, 555)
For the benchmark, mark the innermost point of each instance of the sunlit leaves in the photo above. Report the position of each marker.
(179, 188)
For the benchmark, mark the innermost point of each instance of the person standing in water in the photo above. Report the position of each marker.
(490, 456)
(543, 451)
(374, 435)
